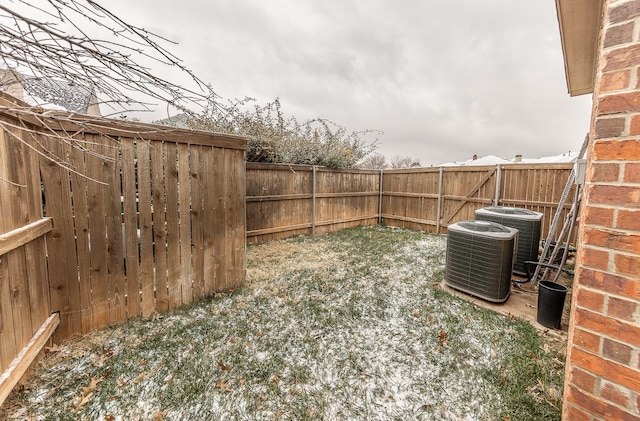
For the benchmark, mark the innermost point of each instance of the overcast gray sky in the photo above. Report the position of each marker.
(442, 79)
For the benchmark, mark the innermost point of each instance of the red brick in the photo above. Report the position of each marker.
(627, 11)
(590, 299)
(599, 216)
(622, 309)
(604, 173)
(608, 150)
(623, 196)
(622, 58)
(597, 406)
(615, 81)
(609, 127)
(616, 351)
(617, 35)
(585, 381)
(628, 219)
(608, 370)
(632, 172)
(616, 329)
(595, 258)
(615, 240)
(573, 413)
(611, 283)
(634, 126)
(612, 393)
(587, 340)
(626, 264)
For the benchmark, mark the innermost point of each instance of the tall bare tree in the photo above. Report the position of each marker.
(374, 161)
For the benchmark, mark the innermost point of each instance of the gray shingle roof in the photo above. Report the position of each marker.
(72, 97)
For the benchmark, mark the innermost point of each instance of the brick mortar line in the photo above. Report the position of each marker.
(633, 362)
(613, 229)
(625, 253)
(606, 294)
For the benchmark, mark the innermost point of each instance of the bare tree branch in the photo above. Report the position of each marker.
(32, 38)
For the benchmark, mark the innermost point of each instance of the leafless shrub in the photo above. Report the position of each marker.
(276, 138)
(405, 162)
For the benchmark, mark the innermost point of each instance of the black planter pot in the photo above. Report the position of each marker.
(551, 296)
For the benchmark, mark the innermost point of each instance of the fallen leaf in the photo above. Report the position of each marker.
(85, 400)
(100, 361)
(93, 385)
(140, 377)
(223, 385)
(223, 366)
(276, 378)
(54, 348)
(416, 313)
(109, 418)
(442, 336)
(160, 415)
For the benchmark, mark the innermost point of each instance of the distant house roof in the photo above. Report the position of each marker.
(495, 160)
(58, 92)
(178, 120)
(555, 159)
(485, 160)
(51, 93)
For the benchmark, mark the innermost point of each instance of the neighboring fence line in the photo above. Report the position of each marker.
(130, 228)
(286, 200)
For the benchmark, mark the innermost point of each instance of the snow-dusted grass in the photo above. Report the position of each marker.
(350, 325)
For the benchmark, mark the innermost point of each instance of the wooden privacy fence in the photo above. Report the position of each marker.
(142, 219)
(430, 199)
(286, 200)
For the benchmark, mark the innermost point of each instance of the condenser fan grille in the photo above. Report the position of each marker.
(479, 260)
(528, 224)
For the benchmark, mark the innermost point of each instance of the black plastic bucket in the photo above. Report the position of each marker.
(551, 297)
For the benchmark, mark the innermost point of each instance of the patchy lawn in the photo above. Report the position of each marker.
(350, 325)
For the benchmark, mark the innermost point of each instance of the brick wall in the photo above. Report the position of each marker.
(603, 363)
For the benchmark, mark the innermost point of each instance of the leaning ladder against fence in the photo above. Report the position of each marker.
(551, 248)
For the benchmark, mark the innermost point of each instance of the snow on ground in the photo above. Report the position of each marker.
(346, 326)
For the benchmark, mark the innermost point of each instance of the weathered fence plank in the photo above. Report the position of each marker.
(125, 234)
(130, 228)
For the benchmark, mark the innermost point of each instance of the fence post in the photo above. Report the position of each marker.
(496, 200)
(313, 201)
(438, 215)
(380, 199)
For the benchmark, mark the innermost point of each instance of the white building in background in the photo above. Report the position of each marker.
(49, 93)
(495, 160)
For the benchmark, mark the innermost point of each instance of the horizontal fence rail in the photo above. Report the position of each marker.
(287, 200)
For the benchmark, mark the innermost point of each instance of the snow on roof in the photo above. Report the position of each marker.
(179, 120)
(485, 160)
(495, 160)
(565, 157)
(57, 94)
